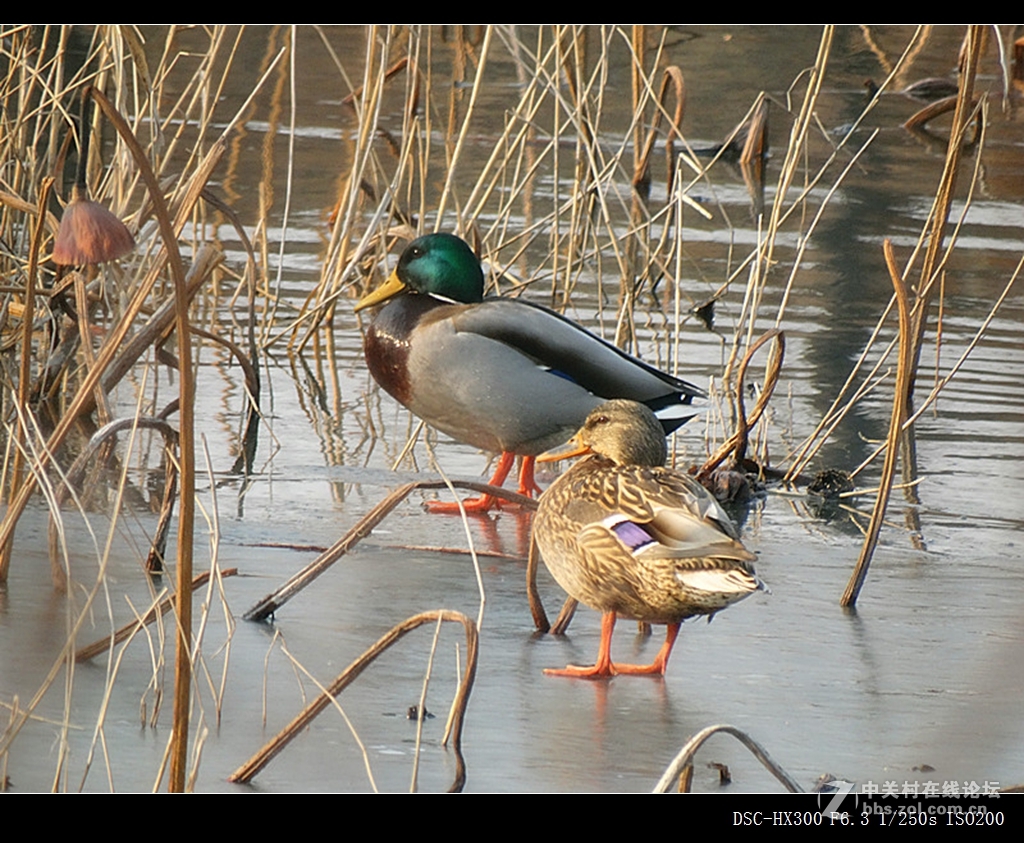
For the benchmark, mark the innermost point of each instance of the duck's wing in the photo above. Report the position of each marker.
(486, 392)
(658, 513)
(570, 351)
(643, 542)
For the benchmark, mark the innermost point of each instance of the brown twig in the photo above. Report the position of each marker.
(250, 768)
(362, 528)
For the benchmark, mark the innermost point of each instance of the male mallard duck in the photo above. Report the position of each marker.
(633, 539)
(500, 374)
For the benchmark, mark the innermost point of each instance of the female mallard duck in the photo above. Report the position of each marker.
(500, 374)
(633, 539)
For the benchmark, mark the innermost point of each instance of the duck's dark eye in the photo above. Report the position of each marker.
(415, 252)
(602, 419)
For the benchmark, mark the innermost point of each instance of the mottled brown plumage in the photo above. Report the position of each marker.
(633, 539)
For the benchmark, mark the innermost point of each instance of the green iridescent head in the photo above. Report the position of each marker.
(442, 265)
(436, 264)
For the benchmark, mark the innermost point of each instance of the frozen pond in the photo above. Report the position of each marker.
(921, 682)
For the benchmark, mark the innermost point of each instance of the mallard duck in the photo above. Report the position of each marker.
(500, 374)
(633, 539)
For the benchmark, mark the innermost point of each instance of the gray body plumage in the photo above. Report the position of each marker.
(520, 378)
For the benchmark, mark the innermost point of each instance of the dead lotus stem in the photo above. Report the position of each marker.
(566, 615)
(252, 391)
(920, 119)
(899, 412)
(684, 758)
(835, 414)
(77, 471)
(540, 618)
(672, 79)
(247, 771)
(362, 528)
(736, 445)
(82, 401)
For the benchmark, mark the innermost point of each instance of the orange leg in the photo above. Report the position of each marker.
(657, 667)
(527, 485)
(484, 503)
(604, 669)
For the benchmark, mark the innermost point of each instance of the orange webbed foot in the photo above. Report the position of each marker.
(483, 504)
(606, 668)
(576, 672)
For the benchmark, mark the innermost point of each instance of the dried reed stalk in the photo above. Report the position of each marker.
(84, 398)
(186, 450)
(25, 366)
(90, 651)
(35, 83)
(736, 445)
(931, 266)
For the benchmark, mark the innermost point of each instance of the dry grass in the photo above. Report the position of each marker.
(568, 188)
